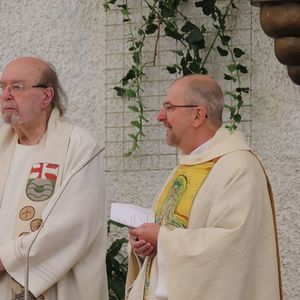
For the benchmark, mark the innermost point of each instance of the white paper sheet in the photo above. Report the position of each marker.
(131, 215)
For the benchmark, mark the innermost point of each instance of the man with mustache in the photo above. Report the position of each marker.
(51, 183)
(214, 235)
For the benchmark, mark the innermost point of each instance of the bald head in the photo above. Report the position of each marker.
(28, 68)
(36, 70)
(202, 90)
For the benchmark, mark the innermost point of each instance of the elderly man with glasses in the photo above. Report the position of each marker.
(214, 235)
(52, 208)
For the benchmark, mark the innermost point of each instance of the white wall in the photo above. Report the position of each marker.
(70, 34)
(276, 137)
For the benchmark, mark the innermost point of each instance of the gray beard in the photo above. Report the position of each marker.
(11, 119)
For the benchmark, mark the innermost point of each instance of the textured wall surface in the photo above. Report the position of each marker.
(276, 137)
(70, 34)
(81, 41)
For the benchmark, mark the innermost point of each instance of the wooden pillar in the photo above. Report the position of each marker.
(280, 19)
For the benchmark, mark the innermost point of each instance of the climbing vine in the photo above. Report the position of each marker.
(194, 47)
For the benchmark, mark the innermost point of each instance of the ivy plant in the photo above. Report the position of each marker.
(116, 266)
(192, 52)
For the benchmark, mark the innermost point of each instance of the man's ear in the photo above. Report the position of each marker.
(48, 96)
(199, 116)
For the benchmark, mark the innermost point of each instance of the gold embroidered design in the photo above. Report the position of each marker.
(26, 213)
(35, 224)
(176, 200)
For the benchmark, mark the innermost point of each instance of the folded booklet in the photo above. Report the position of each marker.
(131, 215)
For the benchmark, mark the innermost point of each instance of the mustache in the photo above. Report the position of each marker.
(9, 106)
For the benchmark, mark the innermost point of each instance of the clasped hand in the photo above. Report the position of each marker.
(143, 239)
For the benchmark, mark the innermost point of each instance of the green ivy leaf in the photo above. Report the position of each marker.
(225, 39)
(131, 48)
(136, 57)
(138, 44)
(242, 69)
(186, 71)
(171, 30)
(130, 93)
(178, 52)
(189, 56)
(231, 68)
(240, 103)
(141, 32)
(194, 37)
(165, 11)
(203, 71)
(238, 52)
(183, 62)
(133, 108)
(151, 28)
(243, 90)
(189, 26)
(206, 5)
(151, 18)
(231, 127)
(195, 67)
(130, 75)
(133, 136)
(237, 118)
(125, 11)
(120, 91)
(231, 109)
(144, 119)
(116, 246)
(222, 51)
(136, 124)
(171, 69)
(107, 4)
(229, 77)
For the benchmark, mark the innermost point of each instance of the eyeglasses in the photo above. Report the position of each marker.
(167, 106)
(18, 88)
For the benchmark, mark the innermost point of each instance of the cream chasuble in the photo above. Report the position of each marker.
(228, 249)
(68, 257)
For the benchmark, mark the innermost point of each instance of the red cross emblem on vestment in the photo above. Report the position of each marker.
(41, 181)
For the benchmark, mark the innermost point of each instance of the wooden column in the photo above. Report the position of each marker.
(280, 19)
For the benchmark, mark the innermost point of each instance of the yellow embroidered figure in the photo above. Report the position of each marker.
(174, 205)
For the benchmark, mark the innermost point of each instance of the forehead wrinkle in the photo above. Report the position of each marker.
(23, 69)
(12, 81)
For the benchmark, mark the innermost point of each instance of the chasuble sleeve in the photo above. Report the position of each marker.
(73, 237)
(228, 250)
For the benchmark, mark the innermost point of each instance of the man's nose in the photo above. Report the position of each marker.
(161, 116)
(6, 94)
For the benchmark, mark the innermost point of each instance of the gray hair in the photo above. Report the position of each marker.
(50, 78)
(204, 90)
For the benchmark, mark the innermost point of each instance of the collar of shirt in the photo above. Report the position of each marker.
(201, 148)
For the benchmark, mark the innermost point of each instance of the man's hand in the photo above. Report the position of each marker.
(143, 239)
